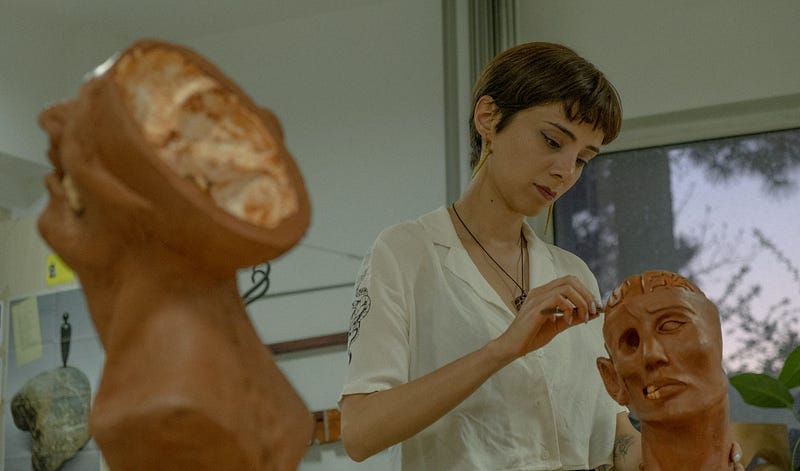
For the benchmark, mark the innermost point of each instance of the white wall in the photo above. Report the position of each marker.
(684, 65)
(43, 62)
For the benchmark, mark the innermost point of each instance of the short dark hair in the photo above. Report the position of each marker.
(541, 73)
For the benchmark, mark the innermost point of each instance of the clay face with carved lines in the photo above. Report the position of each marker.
(666, 348)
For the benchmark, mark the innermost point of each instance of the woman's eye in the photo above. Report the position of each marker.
(551, 142)
(580, 163)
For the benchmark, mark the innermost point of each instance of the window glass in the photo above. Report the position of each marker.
(724, 213)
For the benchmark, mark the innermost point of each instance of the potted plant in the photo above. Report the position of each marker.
(763, 390)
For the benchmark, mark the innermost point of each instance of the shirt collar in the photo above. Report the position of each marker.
(439, 226)
(441, 230)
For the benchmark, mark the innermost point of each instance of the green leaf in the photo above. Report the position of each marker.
(762, 390)
(790, 374)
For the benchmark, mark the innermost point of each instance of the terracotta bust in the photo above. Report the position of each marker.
(167, 180)
(664, 340)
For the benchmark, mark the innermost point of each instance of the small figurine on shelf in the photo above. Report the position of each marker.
(66, 338)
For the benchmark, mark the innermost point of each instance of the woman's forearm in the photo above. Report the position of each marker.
(376, 421)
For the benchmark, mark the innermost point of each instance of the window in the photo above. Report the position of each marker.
(724, 213)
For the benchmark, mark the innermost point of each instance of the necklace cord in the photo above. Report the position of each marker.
(519, 299)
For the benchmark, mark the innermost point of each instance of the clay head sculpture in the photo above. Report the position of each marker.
(665, 345)
(178, 139)
(168, 179)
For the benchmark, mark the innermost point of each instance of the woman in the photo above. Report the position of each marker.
(454, 348)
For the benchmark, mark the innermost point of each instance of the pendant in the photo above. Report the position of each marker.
(520, 299)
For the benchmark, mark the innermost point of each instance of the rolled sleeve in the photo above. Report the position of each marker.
(378, 340)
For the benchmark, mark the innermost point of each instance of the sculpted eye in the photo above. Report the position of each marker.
(670, 325)
(629, 341)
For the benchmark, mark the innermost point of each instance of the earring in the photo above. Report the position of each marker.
(485, 153)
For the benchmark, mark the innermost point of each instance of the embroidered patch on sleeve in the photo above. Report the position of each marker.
(361, 305)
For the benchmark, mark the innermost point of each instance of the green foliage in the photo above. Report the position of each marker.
(759, 389)
(790, 374)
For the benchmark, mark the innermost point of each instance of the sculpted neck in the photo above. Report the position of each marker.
(144, 285)
(701, 443)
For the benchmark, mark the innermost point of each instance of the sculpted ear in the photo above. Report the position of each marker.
(612, 382)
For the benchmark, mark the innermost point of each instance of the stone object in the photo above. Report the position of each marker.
(168, 179)
(54, 407)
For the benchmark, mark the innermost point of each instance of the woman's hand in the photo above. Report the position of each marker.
(736, 457)
(531, 329)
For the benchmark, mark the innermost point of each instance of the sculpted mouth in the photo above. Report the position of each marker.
(656, 391)
(73, 196)
(651, 392)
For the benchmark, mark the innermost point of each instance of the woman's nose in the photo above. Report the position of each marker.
(563, 166)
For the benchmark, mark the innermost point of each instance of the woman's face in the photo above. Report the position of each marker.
(539, 155)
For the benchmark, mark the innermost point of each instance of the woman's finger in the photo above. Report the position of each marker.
(568, 303)
(572, 288)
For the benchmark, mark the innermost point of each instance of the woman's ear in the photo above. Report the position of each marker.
(612, 382)
(485, 117)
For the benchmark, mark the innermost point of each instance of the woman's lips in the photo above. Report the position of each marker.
(546, 193)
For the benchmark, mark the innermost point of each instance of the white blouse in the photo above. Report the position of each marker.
(421, 303)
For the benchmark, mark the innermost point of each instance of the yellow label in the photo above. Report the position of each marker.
(57, 271)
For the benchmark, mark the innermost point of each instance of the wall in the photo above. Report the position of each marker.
(359, 93)
(44, 60)
(685, 70)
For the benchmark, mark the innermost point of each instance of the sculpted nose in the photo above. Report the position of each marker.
(52, 119)
(653, 353)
